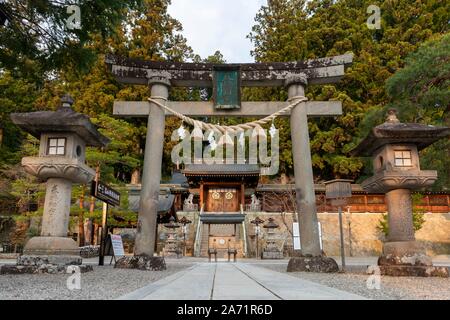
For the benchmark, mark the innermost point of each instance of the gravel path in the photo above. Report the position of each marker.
(392, 288)
(103, 283)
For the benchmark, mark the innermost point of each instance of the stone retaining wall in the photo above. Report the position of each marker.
(362, 237)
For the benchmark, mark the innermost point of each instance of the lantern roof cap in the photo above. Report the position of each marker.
(392, 131)
(270, 224)
(65, 119)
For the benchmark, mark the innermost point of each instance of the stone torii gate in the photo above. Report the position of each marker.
(295, 76)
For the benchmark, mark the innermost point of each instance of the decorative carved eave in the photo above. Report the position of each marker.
(318, 71)
(58, 167)
(385, 181)
(221, 169)
(400, 133)
(62, 120)
(239, 173)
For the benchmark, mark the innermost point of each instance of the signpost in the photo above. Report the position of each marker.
(338, 190)
(109, 196)
(257, 222)
(104, 193)
(184, 221)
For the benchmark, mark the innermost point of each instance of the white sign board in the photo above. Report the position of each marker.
(295, 229)
(320, 235)
(297, 245)
(296, 236)
(117, 245)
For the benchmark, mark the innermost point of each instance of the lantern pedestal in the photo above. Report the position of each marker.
(312, 264)
(142, 262)
(394, 147)
(407, 258)
(171, 248)
(274, 254)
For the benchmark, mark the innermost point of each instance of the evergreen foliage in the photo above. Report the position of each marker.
(405, 64)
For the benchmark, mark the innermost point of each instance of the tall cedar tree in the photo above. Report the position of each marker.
(294, 30)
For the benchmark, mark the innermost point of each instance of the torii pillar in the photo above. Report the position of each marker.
(311, 258)
(151, 176)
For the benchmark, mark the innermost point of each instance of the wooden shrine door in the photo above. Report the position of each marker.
(222, 200)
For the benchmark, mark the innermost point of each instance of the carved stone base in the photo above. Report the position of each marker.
(43, 268)
(51, 246)
(171, 254)
(312, 264)
(27, 264)
(37, 260)
(272, 255)
(407, 258)
(414, 271)
(172, 251)
(142, 263)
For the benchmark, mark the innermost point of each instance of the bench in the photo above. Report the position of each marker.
(212, 252)
(232, 252)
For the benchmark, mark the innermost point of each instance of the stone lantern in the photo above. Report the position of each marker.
(394, 147)
(171, 248)
(64, 135)
(271, 250)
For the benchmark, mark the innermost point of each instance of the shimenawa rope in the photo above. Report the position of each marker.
(230, 129)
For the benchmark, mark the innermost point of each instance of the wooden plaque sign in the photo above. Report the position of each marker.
(227, 87)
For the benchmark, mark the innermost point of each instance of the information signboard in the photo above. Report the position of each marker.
(117, 245)
(105, 193)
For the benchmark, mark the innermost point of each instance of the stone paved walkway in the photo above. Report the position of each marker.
(235, 281)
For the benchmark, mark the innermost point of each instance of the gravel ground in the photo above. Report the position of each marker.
(103, 283)
(392, 288)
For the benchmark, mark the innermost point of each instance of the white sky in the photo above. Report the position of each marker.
(210, 25)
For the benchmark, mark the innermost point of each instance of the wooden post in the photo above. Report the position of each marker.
(428, 203)
(104, 234)
(263, 202)
(81, 239)
(201, 195)
(243, 196)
